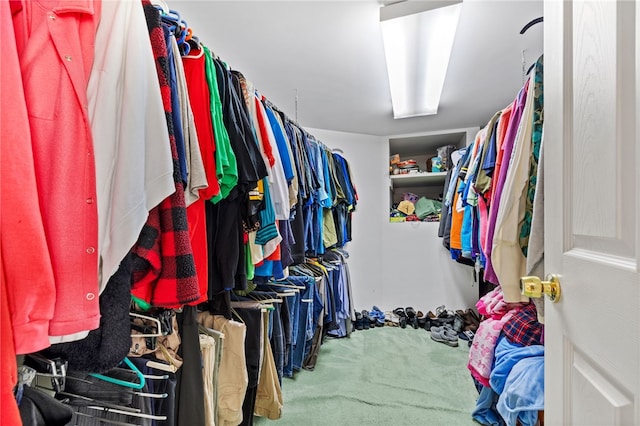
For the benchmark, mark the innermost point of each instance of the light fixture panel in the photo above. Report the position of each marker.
(417, 51)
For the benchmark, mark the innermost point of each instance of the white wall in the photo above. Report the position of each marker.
(394, 264)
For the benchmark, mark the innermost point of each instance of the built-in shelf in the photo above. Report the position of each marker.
(417, 179)
(421, 148)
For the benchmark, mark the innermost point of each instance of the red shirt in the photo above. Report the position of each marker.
(55, 43)
(199, 96)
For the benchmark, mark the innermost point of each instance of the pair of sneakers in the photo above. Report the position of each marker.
(445, 334)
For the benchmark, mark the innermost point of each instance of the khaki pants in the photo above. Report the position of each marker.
(232, 372)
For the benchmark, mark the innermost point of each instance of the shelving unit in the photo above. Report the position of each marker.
(421, 147)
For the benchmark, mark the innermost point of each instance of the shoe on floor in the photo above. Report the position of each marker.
(443, 337)
(366, 320)
(358, 323)
(444, 329)
(377, 317)
(402, 317)
(391, 319)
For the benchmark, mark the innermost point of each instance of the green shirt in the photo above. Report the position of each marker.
(226, 164)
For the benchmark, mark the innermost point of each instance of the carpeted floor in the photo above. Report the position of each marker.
(383, 376)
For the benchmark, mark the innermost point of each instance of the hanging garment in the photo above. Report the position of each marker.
(200, 101)
(286, 155)
(190, 386)
(176, 118)
(233, 379)
(277, 179)
(8, 367)
(134, 169)
(537, 119)
(28, 288)
(55, 44)
(210, 372)
(165, 273)
(252, 318)
(196, 173)
(199, 95)
(269, 400)
(226, 162)
(208, 354)
(105, 347)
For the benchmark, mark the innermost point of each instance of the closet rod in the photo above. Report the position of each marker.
(289, 119)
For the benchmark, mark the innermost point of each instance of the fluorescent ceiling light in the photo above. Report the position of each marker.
(417, 50)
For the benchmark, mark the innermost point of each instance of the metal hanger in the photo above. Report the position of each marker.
(158, 333)
(105, 421)
(127, 413)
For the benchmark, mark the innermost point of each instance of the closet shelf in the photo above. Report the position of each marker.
(416, 179)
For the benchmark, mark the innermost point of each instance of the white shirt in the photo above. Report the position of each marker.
(134, 168)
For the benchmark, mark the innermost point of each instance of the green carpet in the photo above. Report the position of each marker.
(383, 376)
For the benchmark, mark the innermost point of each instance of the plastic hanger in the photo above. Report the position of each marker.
(210, 331)
(162, 366)
(194, 44)
(286, 286)
(287, 293)
(236, 314)
(124, 383)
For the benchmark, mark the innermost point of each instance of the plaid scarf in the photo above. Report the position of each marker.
(165, 273)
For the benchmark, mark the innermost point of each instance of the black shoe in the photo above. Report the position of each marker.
(366, 320)
(403, 322)
(358, 323)
(402, 317)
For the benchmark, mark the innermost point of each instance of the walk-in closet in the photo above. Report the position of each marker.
(352, 212)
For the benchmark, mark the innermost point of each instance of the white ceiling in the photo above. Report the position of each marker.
(329, 55)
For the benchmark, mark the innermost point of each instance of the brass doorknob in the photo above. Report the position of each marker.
(533, 286)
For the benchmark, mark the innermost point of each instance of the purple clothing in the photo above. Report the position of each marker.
(507, 147)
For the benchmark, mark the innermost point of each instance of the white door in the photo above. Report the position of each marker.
(591, 133)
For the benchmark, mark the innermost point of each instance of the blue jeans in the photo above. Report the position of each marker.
(293, 304)
(278, 341)
(306, 327)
